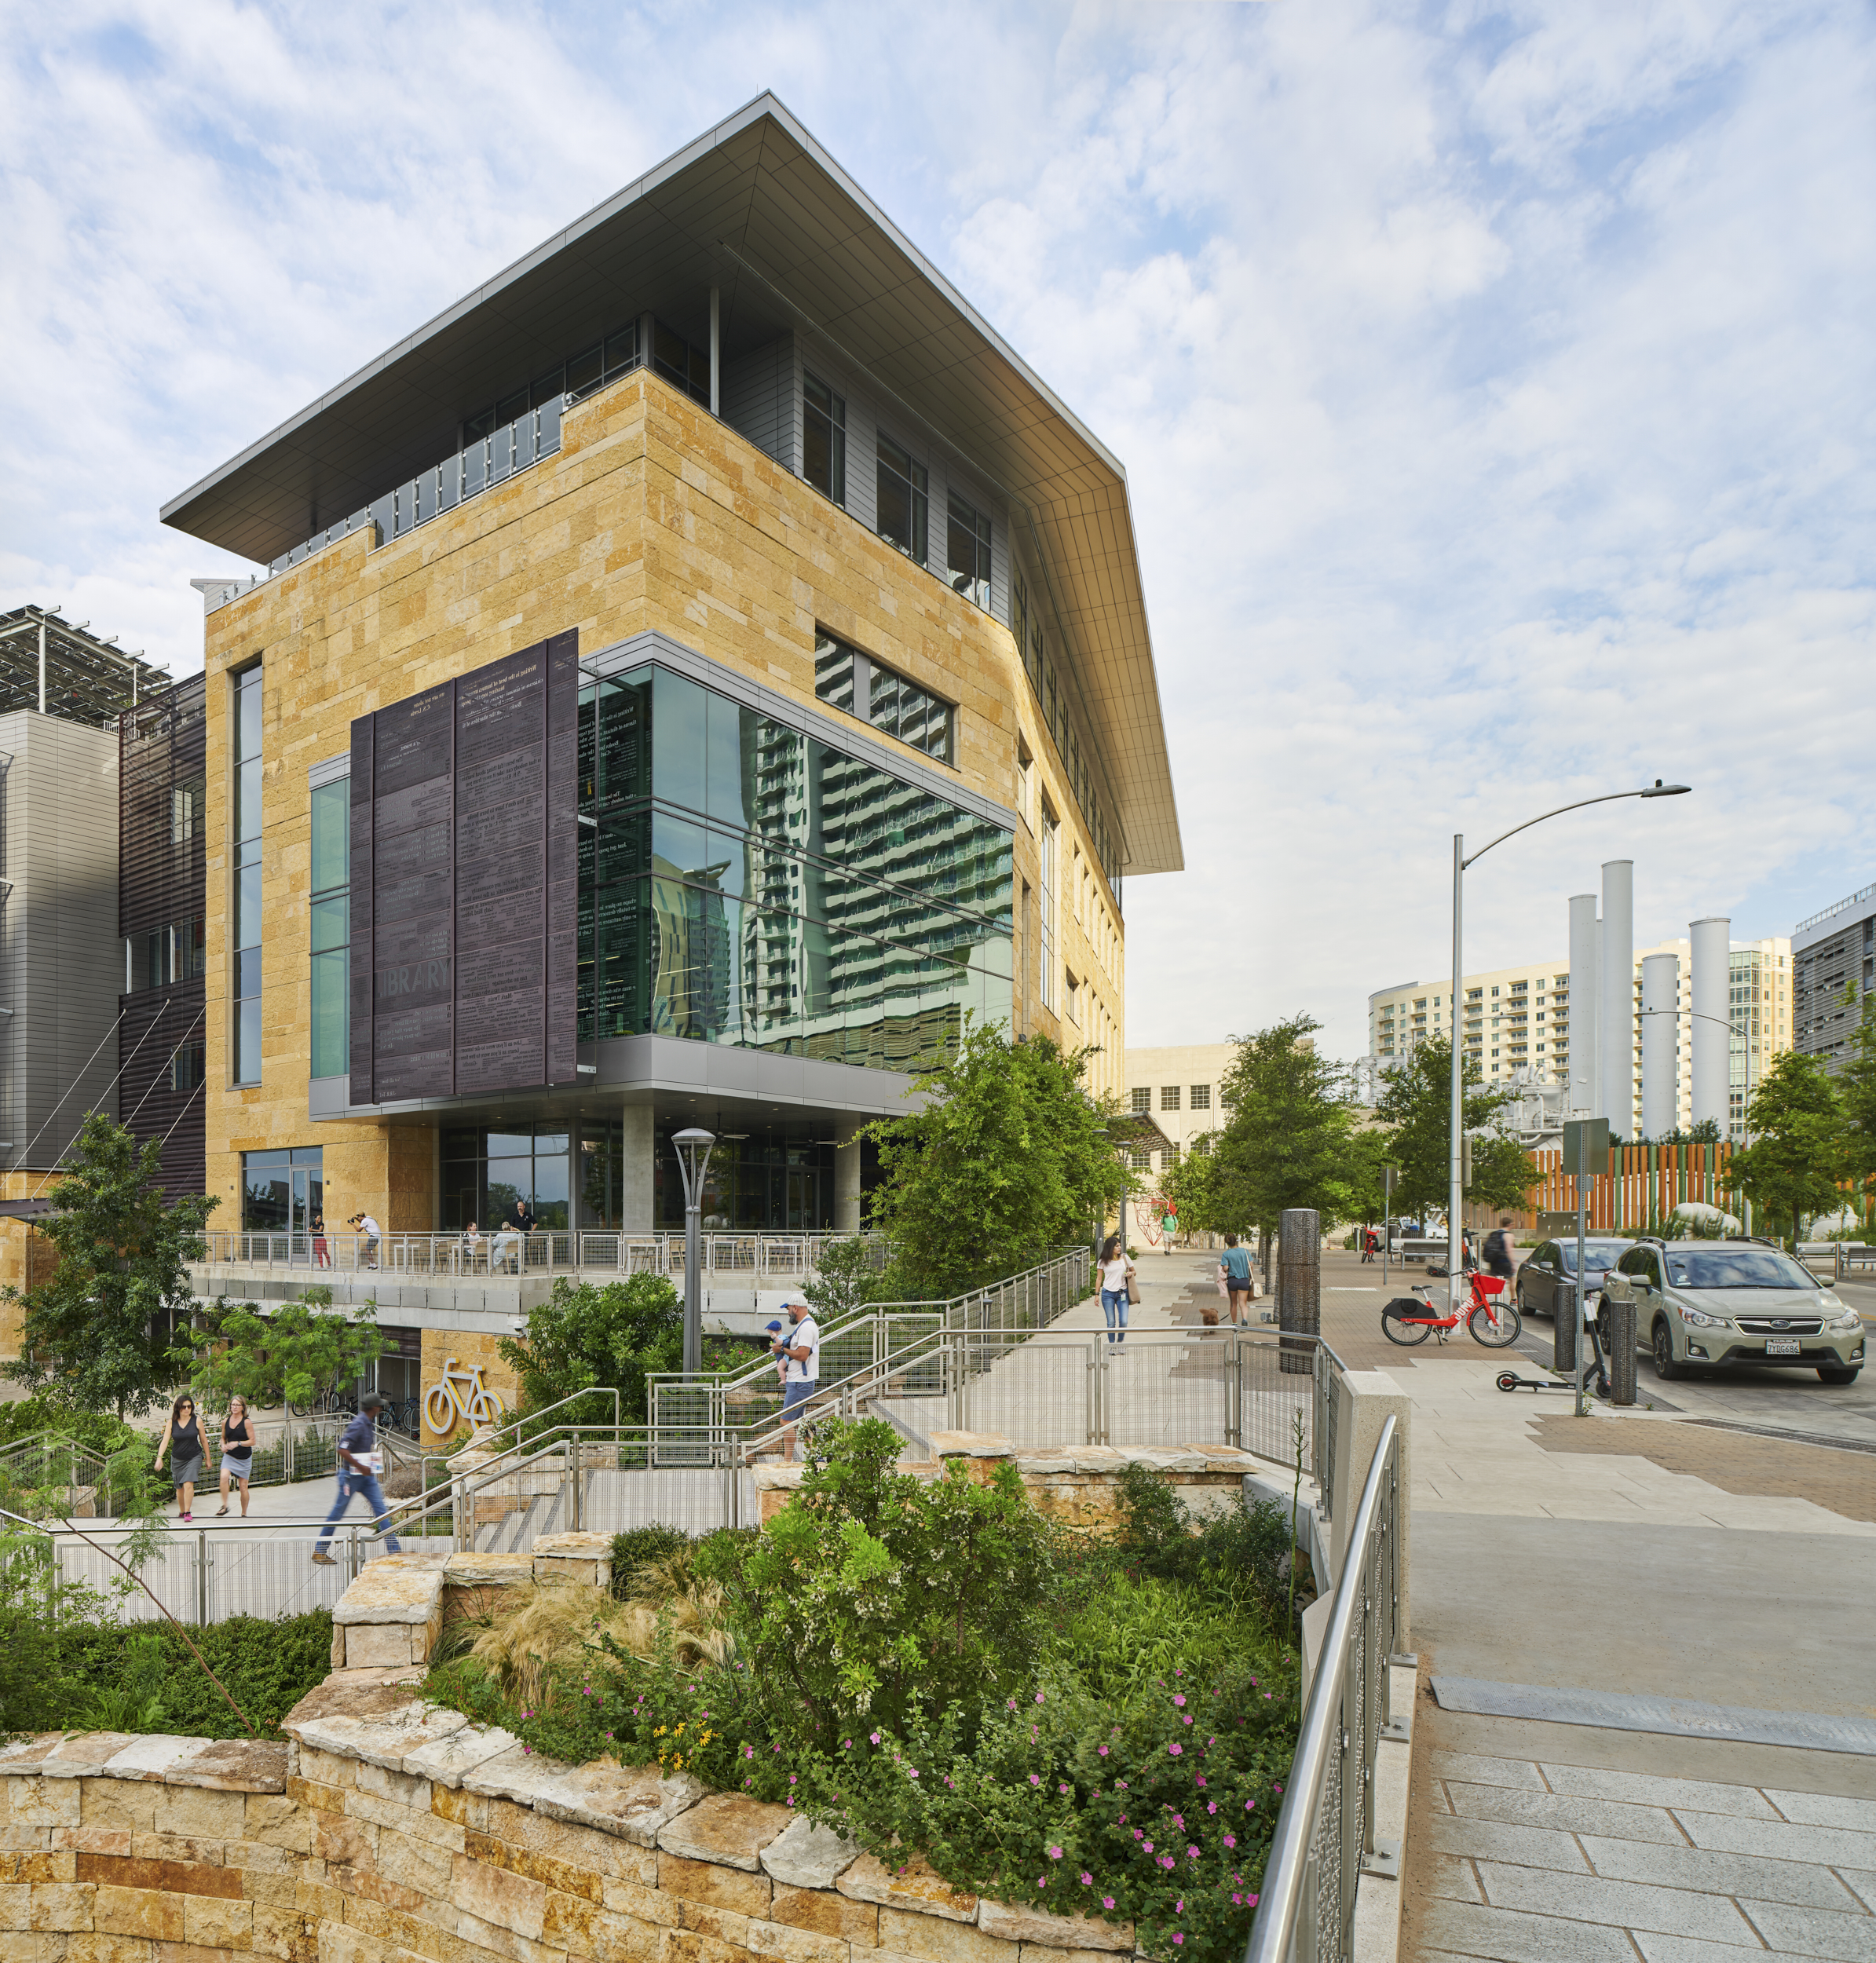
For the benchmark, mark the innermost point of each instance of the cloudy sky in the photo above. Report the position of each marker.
(1494, 383)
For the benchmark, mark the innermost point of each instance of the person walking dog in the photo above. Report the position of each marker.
(1117, 1272)
(358, 1473)
(183, 1440)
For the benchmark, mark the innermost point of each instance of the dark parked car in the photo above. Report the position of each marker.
(1550, 1271)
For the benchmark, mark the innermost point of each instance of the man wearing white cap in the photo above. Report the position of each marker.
(800, 1348)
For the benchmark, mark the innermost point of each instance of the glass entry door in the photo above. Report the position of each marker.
(304, 1202)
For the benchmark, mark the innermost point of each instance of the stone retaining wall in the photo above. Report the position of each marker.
(389, 1831)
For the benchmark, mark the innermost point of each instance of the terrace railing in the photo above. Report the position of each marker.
(754, 1258)
(1325, 1833)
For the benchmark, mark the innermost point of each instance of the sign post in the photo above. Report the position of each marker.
(1586, 1155)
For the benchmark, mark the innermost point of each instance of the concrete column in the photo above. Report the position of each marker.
(1712, 1044)
(1584, 1095)
(1660, 1054)
(1299, 1287)
(640, 1150)
(846, 1174)
(1615, 1006)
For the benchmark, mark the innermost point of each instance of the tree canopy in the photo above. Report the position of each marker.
(1415, 1111)
(97, 1332)
(1800, 1149)
(1007, 1159)
(598, 1336)
(284, 1355)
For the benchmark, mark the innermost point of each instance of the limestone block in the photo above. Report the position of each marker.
(777, 1479)
(135, 1911)
(707, 1884)
(1018, 1924)
(25, 1754)
(783, 1940)
(385, 1739)
(45, 1802)
(375, 1645)
(911, 1886)
(635, 1803)
(89, 1947)
(513, 1772)
(574, 1557)
(213, 1924)
(725, 1829)
(939, 1939)
(808, 1856)
(469, 1570)
(276, 1823)
(397, 1588)
(447, 1760)
(827, 1913)
(85, 1754)
(63, 1906)
(1166, 1459)
(971, 1445)
(493, 1896)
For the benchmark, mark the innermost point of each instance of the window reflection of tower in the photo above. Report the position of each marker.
(690, 951)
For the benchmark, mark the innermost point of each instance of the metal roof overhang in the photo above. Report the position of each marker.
(758, 209)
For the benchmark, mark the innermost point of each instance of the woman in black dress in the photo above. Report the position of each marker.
(237, 1451)
(183, 1440)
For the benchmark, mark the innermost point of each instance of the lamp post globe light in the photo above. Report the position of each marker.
(1455, 1174)
(693, 1161)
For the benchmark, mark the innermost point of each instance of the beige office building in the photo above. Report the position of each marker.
(1179, 1087)
(1516, 1021)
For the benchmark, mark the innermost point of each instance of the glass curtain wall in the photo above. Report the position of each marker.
(486, 1172)
(332, 928)
(246, 894)
(744, 882)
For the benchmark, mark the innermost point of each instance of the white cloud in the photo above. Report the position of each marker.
(1493, 381)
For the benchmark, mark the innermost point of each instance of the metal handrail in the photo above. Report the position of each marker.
(1324, 1734)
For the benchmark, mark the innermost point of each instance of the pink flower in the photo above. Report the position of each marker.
(1179, 1907)
(1086, 1877)
(1177, 1937)
(1173, 1751)
(1038, 1697)
(1211, 1806)
(1191, 1853)
(1250, 1901)
(1055, 1854)
(1107, 1901)
(1180, 1702)
(1201, 1777)
(1102, 1750)
(1231, 1839)
(1147, 1844)
(875, 1741)
(1035, 1779)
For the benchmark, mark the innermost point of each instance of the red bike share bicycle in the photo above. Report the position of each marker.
(1492, 1321)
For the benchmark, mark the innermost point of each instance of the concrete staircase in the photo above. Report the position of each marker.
(516, 1532)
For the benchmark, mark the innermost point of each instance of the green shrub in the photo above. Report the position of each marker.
(875, 1594)
(638, 1545)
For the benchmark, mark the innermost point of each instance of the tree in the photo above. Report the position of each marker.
(844, 1281)
(1792, 1168)
(1288, 1141)
(611, 1336)
(98, 1332)
(1856, 1096)
(1415, 1110)
(1007, 1161)
(287, 1356)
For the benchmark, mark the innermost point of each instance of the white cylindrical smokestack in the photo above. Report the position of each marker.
(1615, 1006)
(1660, 1059)
(1585, 1099)
(1712, 1007)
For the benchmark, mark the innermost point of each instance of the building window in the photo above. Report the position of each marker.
(1143, 1101)
(1050, 830)
(1201, 1097)
(187, 1067)
(1142, 1159)
(1074, 999)
(904, 508)
(968, 551)
(185, 811)
(281, 1192)
(823, 439)
(332, 928)
(246, 897)
(845, 679)
(486, 1173)
(1169, 1097)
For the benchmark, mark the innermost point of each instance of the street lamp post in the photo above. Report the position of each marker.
(693, 1161)
(1456, 1178)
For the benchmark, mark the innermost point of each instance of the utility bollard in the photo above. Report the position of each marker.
(1618, 1335)
(1566, 1318)
(1299, 1290)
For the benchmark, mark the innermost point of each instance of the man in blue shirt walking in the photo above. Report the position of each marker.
(357, 1473)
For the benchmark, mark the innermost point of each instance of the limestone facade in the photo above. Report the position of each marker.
(653, 516)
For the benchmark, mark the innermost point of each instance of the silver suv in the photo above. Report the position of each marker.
(1716, 1302)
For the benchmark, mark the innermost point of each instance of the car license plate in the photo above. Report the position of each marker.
(1783, 1346)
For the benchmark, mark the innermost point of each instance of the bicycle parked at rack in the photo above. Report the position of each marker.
(1491, 1318)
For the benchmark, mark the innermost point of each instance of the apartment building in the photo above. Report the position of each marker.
(1834, 967)
(1515, 1022)
(693, 677)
